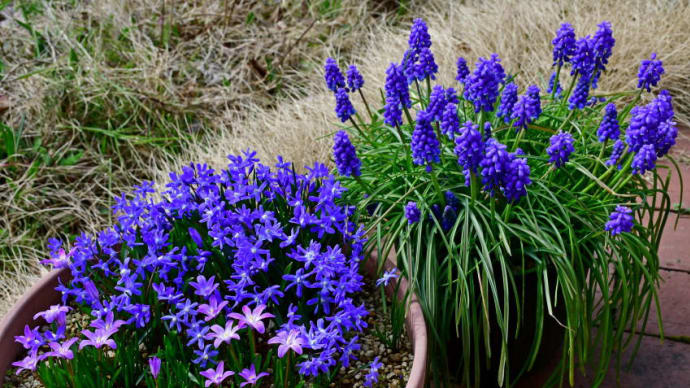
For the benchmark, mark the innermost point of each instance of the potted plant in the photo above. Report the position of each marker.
(517, 211)
(245, 276)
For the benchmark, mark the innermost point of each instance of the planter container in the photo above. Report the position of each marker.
(42, 295)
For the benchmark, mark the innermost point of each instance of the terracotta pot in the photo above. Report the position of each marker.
(42, 295)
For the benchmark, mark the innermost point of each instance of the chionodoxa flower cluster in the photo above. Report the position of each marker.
(249, 268)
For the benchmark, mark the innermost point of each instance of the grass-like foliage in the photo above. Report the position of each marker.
(515, 217)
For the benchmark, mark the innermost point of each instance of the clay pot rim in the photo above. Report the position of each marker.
(42, 294)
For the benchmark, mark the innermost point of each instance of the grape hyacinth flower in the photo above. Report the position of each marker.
(387, 277)
(644, 159)
(563, 44)
(250, 377)
(343, 106)
(495, 165)
(508, 100)
(666, 137)
(425, 146)
(419, 36)
(616, 152)
(345, 155)
(396, 85)
(560, 149)
(373, 375)
(252, 318)
(392, 113)
(517, 178)
(609, 129)
(334, 78)
(448, 218)
(578, 99)
(355, 81)
(438, 101)
(555, 84)
(650, 73)
(602, 45)
(412, 212)
(216, 376)
(462, 70)
(450, 123)
(620, 221)
(426, 67)
(155, 366)
(527, 108)
(469, 147)
(291, 340)
(583, 60)
(487, 130)
(481, 87)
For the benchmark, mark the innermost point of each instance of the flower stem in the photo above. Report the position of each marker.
(366, 104)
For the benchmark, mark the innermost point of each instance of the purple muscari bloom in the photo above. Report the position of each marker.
(644, 159)
(666, 137)
(616, 152)
(450, 123)
(578, 99)
(204, 287)
(252, 318)
(355, 81)
(451, 199)
(250, 377)
(527, 108)
(560, 149)
(31, 339)
(392, 113)
(508, 100)
(426, 148)
(583, 59)
(602, 44)
(437, 102)
(29, 362)
(469, 147)
(396, 86)
(563, 44)
(557, 85)
(216, 376)
(386, 278)
(644, 122)
(224, 334)
(448, 218)
(412, 212)
(62, 350)
(650, 73)
(620, 221)
(291, 340)
(345, 155)
(517, 178)
(487, 130)
(373, 375)
(343, 106)
(419, 36)
(98, 338)
(609, 128)
(54, 313)
(426, 67)
(334, 78)
(408, 66)
(495, 165)
(154, 366)
(463, 70)
(481, 87)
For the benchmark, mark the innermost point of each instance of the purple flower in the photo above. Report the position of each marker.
(616, 152)
(437, 102)
(204, 356)
(578, 99)
(98, 338)
(204, 287)
(419, 36)
(334, 78)
(412, 212)
(355, 81)
(252, 318)
(602, 44)
(560, 149)
(450, 123)
(31, 339)
(343, 106)
(396, 86)
(469, 147)
(224, 334)
(555, 84)
(481, 87)
(109, 324)
(373, 375)
(426, 67)
(291, 340)
(644, 159)
(650, 73)
(250, 377)
(386, 278)
(29, 362)
(425, 146)
(517, 178)
(609, 128)
(583, 60)
(527, 108)
(495, 165)
(508, 100)
(448, 218)
(345, 155)
(463, 71)
(563, 44)
(58, 259)
(620, 220)
(62, 350)
(211, 309)
(216, 376)
(392, 113)
(154, 366)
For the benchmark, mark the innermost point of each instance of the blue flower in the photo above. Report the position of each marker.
(616, 152)
(373, 375)
(495, 165)
(560, 149)
(450, 123)
(563, 44)
(412, 212)
(516, 178)
(644, 159)
(387, 277)
(345, 155)
(463, 71)
(469, 147)
(396, 85)
(343, 106)
(620, 221)
(419, 36)
(650, 73)
(527, 108)
(481, 87)
(426, 67)
(355, 81)
(334, 78)
(583, 60)
(554, 84)
(508, 100)
(392, 112)
(578, 99)
(609, 127)
(448, 218)
(425, 146)
(602, 44)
